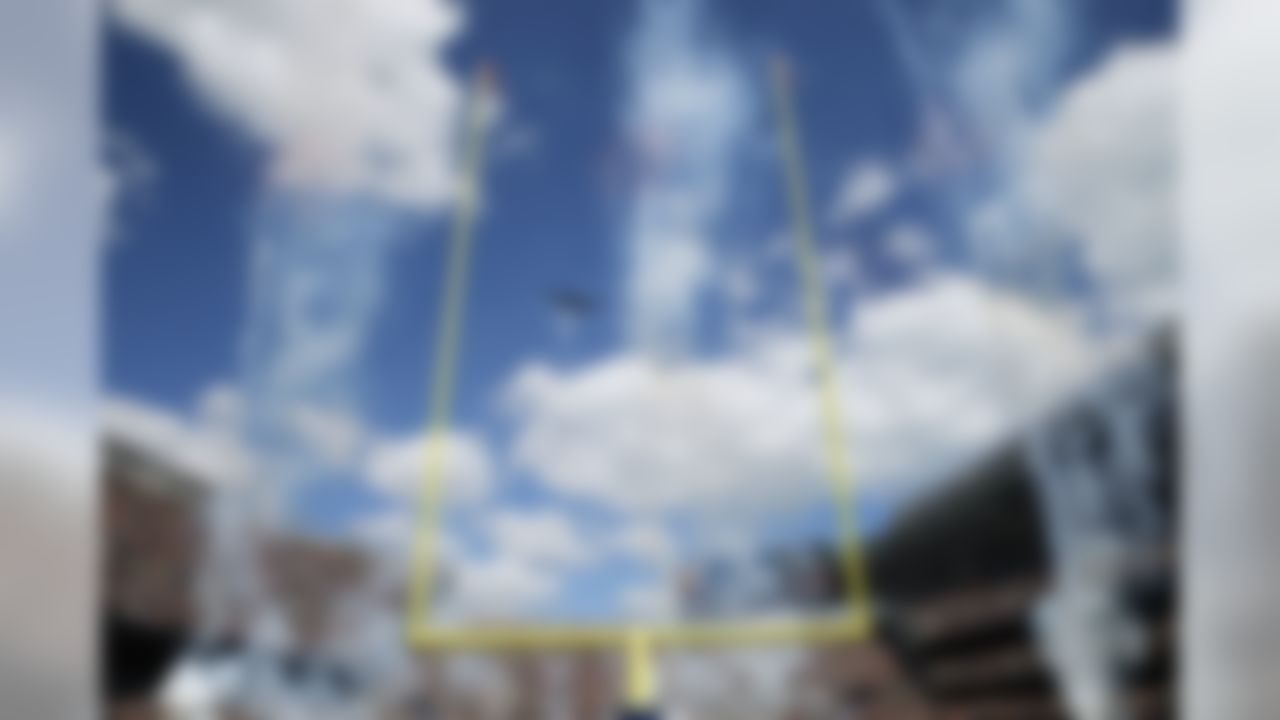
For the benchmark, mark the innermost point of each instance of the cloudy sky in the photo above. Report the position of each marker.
(990, 190)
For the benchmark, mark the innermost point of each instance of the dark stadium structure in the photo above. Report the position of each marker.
(960, 572)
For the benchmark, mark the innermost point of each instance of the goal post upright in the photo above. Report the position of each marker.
(636, 643)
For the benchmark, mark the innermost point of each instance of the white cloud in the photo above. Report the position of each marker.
(387, 538)
(866, 187)
(647, 542)
(350, 93)
(635, 434)
(503, 562)
(1103, 167)
(206, 452)
(333, 436)
(397, 467)
(930, 377)
(221, 406)
(497, 587)
(961, 356)
(528, 557)
(543, 538)
(910, 245)
(531, 555)
(650, 602)
(687, 109)
(208, 444)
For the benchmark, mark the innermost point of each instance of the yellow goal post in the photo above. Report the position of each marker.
(637, 642)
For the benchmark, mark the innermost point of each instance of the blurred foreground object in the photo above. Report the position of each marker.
(51, 192)
(1231, 261)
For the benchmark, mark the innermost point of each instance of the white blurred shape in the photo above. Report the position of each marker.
(1230, 256)
(50, 218)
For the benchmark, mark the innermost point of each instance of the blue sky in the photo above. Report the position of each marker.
(559, 213)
